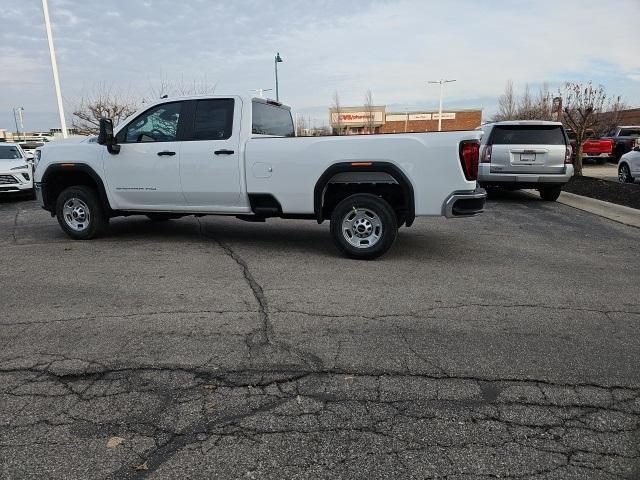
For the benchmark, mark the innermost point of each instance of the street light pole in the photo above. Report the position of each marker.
(54, 67)
(441, 82)
(276, 61)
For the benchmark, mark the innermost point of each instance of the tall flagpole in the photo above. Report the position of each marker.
(54, 67)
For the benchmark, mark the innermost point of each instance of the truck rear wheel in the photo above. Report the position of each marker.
(363, 226)
(80, 214)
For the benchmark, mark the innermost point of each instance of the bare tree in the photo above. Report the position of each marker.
(103, 103)
(506, 104)
(526, 106)
(369, 111)
(336, 114)
(303, 126)
(584, 106)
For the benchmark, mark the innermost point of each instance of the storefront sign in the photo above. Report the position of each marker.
(357, 118)
(445, 116)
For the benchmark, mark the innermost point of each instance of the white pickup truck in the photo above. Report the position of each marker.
(229, 155)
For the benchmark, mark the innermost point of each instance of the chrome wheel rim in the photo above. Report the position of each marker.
(76, 214)
(362, 228)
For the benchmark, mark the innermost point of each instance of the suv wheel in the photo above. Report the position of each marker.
(550, 194)
(80, 214)
(624, 174)
(363, 226)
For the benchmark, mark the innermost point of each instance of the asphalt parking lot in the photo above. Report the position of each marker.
(501, 346)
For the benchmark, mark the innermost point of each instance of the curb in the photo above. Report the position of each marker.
(617, 213)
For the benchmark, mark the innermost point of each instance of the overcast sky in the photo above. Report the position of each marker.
(391, 47)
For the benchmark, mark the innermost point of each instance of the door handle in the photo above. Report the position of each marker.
(166, 153)
(224, 152)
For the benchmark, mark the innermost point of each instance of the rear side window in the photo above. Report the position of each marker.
(272, 120)
(9, 153)
(527, 135)
(213, 119)
(630, 132)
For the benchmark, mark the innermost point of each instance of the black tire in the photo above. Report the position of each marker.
(162, 217)
(550, 194)
(97, 222)
(624, 174)
(386, 220)
(601, 161)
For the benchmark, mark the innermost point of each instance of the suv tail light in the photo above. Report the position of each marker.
(568, 153)
(486, 154)
(469, 156)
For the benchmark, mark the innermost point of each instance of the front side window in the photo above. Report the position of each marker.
(527, 135)
(9, 153)
(272, 120)
(159, 124)
(213, 119)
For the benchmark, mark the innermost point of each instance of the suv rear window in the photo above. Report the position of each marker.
(272, 120)
(527, 135)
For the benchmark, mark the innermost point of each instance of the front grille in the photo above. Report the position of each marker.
(7, 180)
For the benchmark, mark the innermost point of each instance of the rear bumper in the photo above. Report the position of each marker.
(486, 177)
(468, 203)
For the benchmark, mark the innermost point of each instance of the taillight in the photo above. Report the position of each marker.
(611, 144)
(469, 156)
(568, 153)
(486, 154)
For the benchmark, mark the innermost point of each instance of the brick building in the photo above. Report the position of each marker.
(360, 120)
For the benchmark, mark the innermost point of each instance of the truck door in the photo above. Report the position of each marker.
(145, 175)
(210, 155)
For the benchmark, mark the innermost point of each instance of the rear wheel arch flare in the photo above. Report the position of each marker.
(382, 172)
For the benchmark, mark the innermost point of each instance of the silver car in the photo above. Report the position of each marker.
(519, 154)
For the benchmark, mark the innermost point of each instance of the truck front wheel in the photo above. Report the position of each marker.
(363, 226)
(80, 214)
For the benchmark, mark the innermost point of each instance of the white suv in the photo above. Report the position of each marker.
(525, 154)
(16, 171)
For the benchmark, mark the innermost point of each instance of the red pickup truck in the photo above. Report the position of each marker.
(598, 149)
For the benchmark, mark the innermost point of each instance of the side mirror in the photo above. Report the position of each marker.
(106, 137)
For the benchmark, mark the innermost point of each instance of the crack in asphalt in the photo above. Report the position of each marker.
(296, 404)
(15, 226)
(261, 336)
(124, 315)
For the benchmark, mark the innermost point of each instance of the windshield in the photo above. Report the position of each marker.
(8, 152)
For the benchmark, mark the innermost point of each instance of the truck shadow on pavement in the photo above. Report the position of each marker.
(275, 236)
